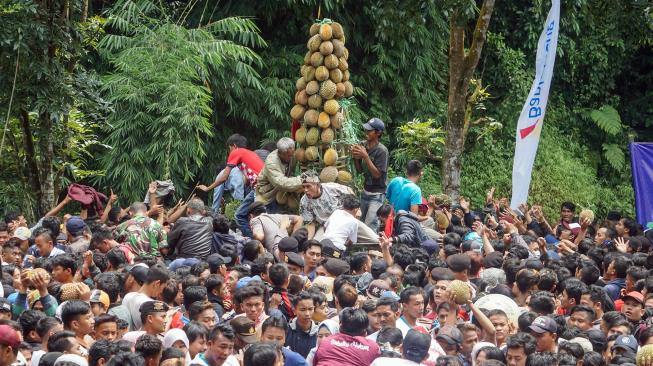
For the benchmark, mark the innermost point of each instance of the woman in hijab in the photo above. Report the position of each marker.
(177, 338)
(326, 329)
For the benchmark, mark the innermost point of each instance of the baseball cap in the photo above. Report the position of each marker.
(139, 272)
(9, 336)
(336, 267)
(153, 306)
(583, 342)
(374, 124)
(416, 344)
(22, 233)
(68, 359)
(376, 288)
(215, 260)
(450, 334)
(430, 245)
(243, 282)
(294, 259)
(324, 284)
(628, 343)
(288, 244)
(543, 324)
(99, 296)
(5, 305)
(637, 296)
(75, 225)
(329, 250)
(245, 329)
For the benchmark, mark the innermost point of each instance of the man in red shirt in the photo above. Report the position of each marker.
(250, 164)
(349, 347)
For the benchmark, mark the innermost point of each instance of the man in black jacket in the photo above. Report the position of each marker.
(406, 230)
(191, 236)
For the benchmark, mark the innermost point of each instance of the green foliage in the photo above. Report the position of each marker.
(421, 140)
(161, 88)
(615, 156)
(607, 118)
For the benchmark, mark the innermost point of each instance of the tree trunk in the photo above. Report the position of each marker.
(461, 69)
(47, 199)
(33, 177)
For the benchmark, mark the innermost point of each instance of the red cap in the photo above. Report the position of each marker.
(9, 336)
(637, 296)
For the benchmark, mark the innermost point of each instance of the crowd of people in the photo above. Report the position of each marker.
(382, 274)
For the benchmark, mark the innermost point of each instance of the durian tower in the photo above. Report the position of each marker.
(324, 81)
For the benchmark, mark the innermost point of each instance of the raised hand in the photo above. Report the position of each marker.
(152, 188)
(489, 196)
(203, 188)
(621, 244)
(464, 204)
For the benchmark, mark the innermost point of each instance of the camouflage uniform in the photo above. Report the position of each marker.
(144, 235)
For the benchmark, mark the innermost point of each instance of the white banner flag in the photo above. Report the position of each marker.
(531, 118)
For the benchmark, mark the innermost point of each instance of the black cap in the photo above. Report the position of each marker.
(543, 324)
(5, 305)
(416, 345)
(288, 244)
(431, 246)
(329, 250)
(335, 267)
(450, 334)
(244, 328)
(153, 306)
(378, 266)
(215, 260)
(139, 272)
(295, 259)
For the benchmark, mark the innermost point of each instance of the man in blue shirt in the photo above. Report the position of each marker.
(404, 193)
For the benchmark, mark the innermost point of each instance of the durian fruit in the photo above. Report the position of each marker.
(345, 75)
(326, 33)
(330, 157)
(585, 214)
(315, 101)
(297, 112)
(310, 117)
(344, 177)
(336, 120)
(311, 139)
(329, 174)
(345, 53)
(342, 64)
(327, 89)
(300, 135)
(322, 73)
(315, 29)
(331, 106)
(335, 75)
(314, 43)
(327, 135)
(331, 62)
(317, 59)
(349, 89)
(307, 58)
(299, 153)
(340, 90)
(337, 31)
(301, 97)
(326, 48)
(282, 198)
(323, 120)
(312, 87)
(309, 74)
(338, 48)
(311, 153)
(460, 291)
(300, 84)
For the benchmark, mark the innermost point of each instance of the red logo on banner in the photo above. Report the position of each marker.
(524, 132)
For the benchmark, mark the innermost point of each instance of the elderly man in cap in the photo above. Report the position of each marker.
(451, 340)
(320, 200)
(269, 229)
(545, 329)
(371, 159)
(276, 175)
(79, 236)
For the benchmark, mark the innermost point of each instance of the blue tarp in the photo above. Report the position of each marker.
(641, 158)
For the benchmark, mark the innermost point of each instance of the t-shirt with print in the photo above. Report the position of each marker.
(402, 193)
(342, 349)
(248, 162)
(319, 209)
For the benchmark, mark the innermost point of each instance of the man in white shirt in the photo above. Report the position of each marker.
(342, 226)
